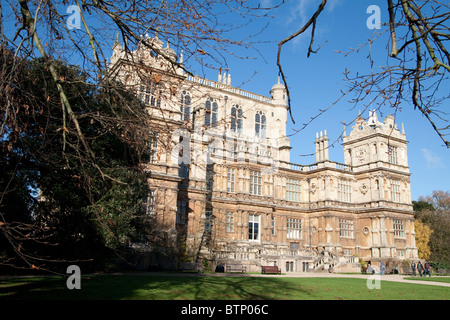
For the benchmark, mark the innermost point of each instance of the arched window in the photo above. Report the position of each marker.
(236, 118)
(185, 107)
(211, 111)
(260, 124)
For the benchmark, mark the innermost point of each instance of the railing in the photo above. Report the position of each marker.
(228, 88)
(327, 164)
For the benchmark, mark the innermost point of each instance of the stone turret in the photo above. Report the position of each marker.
(279, 93)
(322, 147)
(373, 143)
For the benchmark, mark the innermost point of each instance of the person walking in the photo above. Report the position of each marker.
(427, 269)
(413, 267)
(420, 268)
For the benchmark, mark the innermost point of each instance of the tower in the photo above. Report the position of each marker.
(322, 147)
(279, 115)
(278, 93)
(374, 144)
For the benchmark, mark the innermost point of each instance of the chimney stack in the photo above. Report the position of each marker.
(322, 147)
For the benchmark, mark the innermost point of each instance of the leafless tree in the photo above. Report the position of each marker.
(417, 71)
(82, 33)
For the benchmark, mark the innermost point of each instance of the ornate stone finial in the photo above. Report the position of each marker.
(116, 42)
(373, 120)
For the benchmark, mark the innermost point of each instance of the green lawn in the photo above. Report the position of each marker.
(432, 279)
(132, 287)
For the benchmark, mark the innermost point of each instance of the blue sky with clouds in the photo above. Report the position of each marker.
(316, 82)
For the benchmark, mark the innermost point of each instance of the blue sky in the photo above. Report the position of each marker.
(315, 83)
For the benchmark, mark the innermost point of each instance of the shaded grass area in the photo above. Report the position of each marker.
(140, 287)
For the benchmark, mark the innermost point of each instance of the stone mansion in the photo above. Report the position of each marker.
(222, 188)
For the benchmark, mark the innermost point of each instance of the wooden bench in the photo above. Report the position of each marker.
(270, 269)
(442, 272)
(236, 268)
(189, 267)
(407, 271)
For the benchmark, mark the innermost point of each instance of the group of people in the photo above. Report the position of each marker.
(423, 269)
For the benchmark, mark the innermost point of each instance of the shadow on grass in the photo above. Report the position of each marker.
(139, 287)
(193, 287)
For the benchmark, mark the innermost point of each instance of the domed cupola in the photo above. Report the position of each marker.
(278, 92)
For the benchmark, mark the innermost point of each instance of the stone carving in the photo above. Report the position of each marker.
(313, 187)
(360, 154)
(364, 188)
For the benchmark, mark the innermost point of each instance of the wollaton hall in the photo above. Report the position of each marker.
(222, 189)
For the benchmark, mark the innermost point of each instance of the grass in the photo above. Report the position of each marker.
(132, 287)
(431, 279)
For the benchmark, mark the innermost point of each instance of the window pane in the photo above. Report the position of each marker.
(253, 227)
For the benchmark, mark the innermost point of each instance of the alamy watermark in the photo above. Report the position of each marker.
(74, 19)
(213, 146)
(73, 281)
(374, 282)
(374, 21)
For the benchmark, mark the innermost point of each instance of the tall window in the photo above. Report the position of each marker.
(253, 227)
(398, 228)
(154, 147)
(294, 228)
(255, 182)
(209, 177)
(230, 180)
(344, 191)
(346, 228)
(211, 111)
(273, 225)
(236, 118)
(183, 171)
(150, 94)
(181, 212)
(393, 155)
(229, 223)
(260, 124)
(185, 107)
(293, 190)
(395, 191)
(150, 204)
(208, 220)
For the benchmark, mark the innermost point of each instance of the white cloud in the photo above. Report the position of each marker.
(433, 161)
(304, 9)
(331, 5)
(301, 11)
